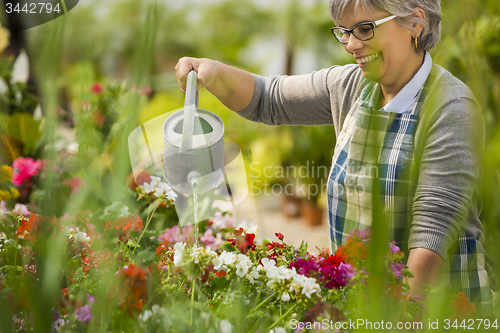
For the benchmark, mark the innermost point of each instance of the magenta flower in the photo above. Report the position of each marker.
(332, 272)
(397, 268)
(84, 314)
(90, 298)
(24, 168)
(394, 248)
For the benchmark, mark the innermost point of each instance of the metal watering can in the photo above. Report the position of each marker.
(193, 146)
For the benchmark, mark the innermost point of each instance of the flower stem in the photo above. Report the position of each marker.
(192, 302)
(282, 317)
(262, 303)
(144, 230)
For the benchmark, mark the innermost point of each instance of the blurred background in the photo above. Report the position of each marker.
(129, 44)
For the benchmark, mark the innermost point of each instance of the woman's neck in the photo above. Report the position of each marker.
(391, 89)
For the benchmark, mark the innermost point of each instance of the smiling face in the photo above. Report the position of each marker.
(389, 58)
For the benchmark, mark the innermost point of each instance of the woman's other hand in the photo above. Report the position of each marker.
(232, 86)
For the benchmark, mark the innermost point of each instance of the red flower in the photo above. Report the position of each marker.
(143, 177)
(163, 247)
(243, 242)
(89, 262)
(334, 261)
(135, 283)
(96, 88)
(125, 223)
(31, 228)
(24, 229)
(280, 236)
(221, 273)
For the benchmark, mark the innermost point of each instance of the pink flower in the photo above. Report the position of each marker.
(174, 234)
(96, 88)
(397, 268)
(394, 248)
(24, 168)
(213, 242)
(208, 237)
(75, 184)
(84, 314)
(21, 210)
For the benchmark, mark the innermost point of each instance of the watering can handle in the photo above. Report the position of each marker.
(191, 92)
(190, 105)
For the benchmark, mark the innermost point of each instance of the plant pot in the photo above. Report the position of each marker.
(290, 206)
(312, 213)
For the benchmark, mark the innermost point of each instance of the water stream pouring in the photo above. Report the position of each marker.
(193, 146)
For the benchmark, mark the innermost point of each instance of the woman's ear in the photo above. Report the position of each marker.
(420, 13)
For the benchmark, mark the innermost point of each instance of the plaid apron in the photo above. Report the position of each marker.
(369, 134)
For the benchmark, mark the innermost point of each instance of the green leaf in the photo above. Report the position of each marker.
(23, 126)
(144, 256)
(10, 148)
(3, 123)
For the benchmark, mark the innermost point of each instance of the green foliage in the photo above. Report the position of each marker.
(25, 128)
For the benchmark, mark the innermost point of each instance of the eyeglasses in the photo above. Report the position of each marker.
(362, 31)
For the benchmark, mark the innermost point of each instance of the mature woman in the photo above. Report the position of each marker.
(399, 119)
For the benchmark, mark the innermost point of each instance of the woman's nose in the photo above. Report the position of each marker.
(353, 44)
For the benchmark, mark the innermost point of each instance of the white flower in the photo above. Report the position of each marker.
(179, 258)
(157, 188)
(241, 268)
(196, 254)
(220, 221)
(253, 275)
(200, 252)
(280, 273)
(146, 188)
(218, 262)
(229, 258)
(81, 236)
(145, 315)
(278, 329)
(56, 325)
(266, 264)
(285, 297)
(115, 211)
(155, 181)
(249, 227)
(3, 208)
(225, 326)
(310, 287)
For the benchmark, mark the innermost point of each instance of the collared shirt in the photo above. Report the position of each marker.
(404, 101)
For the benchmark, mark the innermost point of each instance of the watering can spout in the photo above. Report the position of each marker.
(190, 106)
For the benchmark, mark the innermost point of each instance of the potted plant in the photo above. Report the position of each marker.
(311, 156)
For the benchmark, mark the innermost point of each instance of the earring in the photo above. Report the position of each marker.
(416, 43)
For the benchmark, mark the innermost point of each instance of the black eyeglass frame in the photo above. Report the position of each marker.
(351, 31)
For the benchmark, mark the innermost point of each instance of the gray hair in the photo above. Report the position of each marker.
(431, 34)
